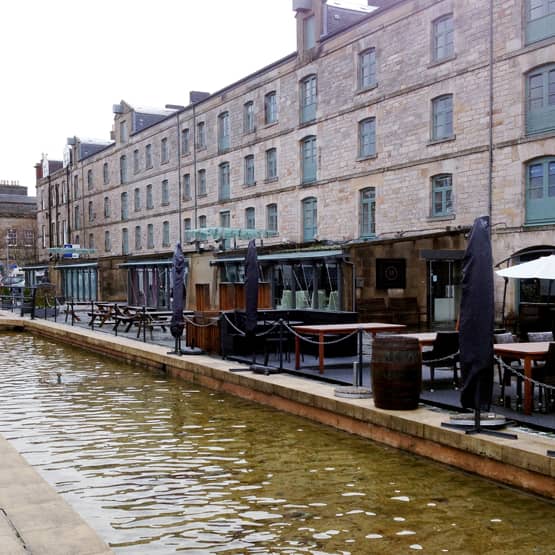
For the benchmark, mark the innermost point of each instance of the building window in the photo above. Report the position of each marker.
(185, 141)
(124, 207)
(202, 221)
(308, 159)
(77, 217)
(368, 212)
(367, 137)
(123, 169)
(150, 236)
(224, 192)
(12, 237)
(442, 195)
(250, 222)
(148, 156)
(138, 242)
(187, 187)
(442, 38)
(270, 108)
(223, 132)
(271, 164)
(187, 226)
(43, 236)
(107, 207)
(166, 234)
(75, 187)
(540, 20)
(149, 198)
(29, 238)
(137, 199)
(249, 170)
(271, 217)
(123, 133)
(202, 183)
(136, 161)
(308, 99)
(225, 218)
(442, 117)
(91, 241)
(165, 192)
(90, 183)
(107, 241)
(367, 69)
(125, 241)
(540, 99)
(540, 191)
(91, 211)
(105, 173)
(248, 117)
(310, 219)
(201, 135)
(309, 32)
(164, 151)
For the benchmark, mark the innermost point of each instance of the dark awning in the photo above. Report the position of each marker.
(441, 254)
(140, 263)
(298, 256)
(73, 266)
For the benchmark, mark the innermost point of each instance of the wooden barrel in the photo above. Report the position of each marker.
(396, 370)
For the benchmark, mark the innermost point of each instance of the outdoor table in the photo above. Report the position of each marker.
(337, 329)
(529, 352)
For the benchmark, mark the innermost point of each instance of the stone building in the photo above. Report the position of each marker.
(361, 159)
(18, 227)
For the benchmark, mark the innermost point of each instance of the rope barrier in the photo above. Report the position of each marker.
(196, 324)
(314, 342)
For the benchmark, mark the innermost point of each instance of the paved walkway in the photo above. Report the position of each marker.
(34, 519)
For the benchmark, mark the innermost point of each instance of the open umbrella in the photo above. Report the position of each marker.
(477, 319)
(540, 268)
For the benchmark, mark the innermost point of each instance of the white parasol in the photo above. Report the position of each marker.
(540, 268)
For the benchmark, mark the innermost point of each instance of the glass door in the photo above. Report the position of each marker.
(444, 292)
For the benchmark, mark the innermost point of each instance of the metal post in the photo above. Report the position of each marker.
(356, 373)
(281, 344)
(359, 375)
(92, 315)
(144, 324)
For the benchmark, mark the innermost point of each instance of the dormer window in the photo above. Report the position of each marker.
(309, 32)
(123, 132)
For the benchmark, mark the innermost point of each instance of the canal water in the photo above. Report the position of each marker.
(159, 466)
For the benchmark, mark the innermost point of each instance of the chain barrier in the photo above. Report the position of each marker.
(521, 375)
(315, 342)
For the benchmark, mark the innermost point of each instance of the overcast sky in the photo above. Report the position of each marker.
(63, 64)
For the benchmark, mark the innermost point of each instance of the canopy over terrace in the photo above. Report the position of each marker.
(224, 234)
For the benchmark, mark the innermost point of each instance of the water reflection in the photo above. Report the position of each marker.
(158, 466)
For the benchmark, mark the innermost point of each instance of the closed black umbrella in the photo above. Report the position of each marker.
(477, 319)
(251, 287)
(178, 272)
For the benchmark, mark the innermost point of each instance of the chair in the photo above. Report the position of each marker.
(505, 373)
(548, 377)
(444, 355)
(286, 299)
(540, 336)
(301, 299)
(333, 303)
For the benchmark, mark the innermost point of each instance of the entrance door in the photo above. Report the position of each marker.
(444, 292)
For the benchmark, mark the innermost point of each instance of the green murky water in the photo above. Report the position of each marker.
(158, 466)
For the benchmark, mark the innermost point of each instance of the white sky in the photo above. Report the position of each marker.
(64, 63)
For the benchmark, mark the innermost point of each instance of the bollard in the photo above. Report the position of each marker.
(356, 374)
